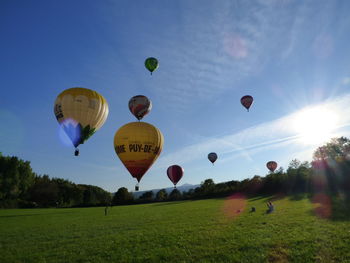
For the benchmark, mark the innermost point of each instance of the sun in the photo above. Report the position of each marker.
(315, 125)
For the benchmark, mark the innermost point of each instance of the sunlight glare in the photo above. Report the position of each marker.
(68, 125)
(315, 125)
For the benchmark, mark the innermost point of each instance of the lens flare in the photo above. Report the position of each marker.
(322, 205)
(234, 205)
(235, 46)
(69, 132)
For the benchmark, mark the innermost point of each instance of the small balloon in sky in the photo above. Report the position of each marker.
(151, 64)
(212, 157)
(175, 173)
(247, 101)
(271, 165)
(139, 106)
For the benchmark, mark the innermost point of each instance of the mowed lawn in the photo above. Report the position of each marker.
(214, 230)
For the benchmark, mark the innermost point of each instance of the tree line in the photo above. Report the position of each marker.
(21, 187)
(329, 173)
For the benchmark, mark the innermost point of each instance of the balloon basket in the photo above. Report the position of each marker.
(76, 153)
(137, 187)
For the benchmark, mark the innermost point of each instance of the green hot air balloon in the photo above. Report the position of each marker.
(151, 64)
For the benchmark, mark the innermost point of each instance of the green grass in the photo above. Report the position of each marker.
(188, 231)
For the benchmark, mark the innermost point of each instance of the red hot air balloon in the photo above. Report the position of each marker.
(247, 101)
(212, 157)
(175, 173)
(271, 165)
(139, 106)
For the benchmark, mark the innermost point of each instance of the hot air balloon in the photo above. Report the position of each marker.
(271, 165)
(151, 64)
(212, 157)
(138, 145)
(247, 101)
(80, 112)
(140, 106)
(175, 173)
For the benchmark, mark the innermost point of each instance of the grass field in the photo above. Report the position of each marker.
(215, 230)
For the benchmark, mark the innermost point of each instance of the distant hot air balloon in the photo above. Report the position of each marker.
(271, 165)
(247, 101)
(175, 173)
(80, 112)
(140, 106)
(138, 145)
(212, 157)
(151, 64)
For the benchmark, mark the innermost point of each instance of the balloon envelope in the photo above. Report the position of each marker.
(151, 64)
(140, 106)
(175, 173)
(212, 157)
(138, 145)
(247, 101)
(271, 165)
(80, 112)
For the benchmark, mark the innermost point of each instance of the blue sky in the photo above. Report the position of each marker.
(289, 55)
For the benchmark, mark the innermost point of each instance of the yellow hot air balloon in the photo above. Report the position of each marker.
(80, 112)
(138, 145)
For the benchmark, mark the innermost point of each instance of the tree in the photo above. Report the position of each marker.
(175, 195)
(21, 187)
(208, 186)
(147, 196)
(298, 176)
(254, 185)
(294, 164)
(337, 149)
(16, 176)
(331, 164)
(161, 195)
(44, 192)
(122, 196)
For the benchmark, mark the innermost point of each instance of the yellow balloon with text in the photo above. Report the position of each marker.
(138, 145)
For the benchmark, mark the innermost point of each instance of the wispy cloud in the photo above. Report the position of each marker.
(346, 81)
(262, 137)
(234, 41)
(205, 50)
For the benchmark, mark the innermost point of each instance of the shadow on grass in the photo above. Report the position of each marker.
(185, 201)
(277, 197)
(340, 210)
(259, 197)
(169, 203)
(329, 207)
(298, 197)
(271, 198)
(39, 214)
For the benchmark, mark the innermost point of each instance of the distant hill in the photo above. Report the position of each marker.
(182, 188)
